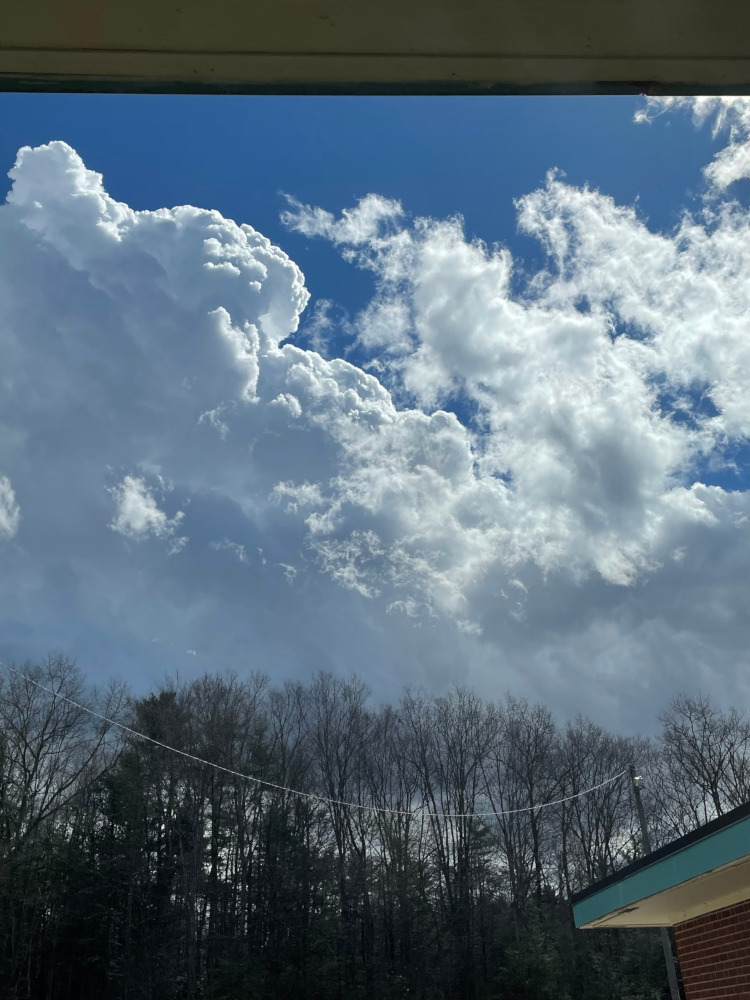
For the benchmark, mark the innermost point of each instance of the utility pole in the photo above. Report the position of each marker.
(666, 941)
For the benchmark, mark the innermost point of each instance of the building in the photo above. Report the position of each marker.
(388, 46)
(699, 886)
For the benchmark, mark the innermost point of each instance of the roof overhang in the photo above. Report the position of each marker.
(697, 874)
(377, 46)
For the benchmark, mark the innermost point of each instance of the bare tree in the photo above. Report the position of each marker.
(337, 726)
(705, 754)
(595, 828)
(50, 747)
(520, 774)
(450, 739)
(51, 751)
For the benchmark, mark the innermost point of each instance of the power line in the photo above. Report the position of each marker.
(310, 795)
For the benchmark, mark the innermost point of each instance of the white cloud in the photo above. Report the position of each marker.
(356, 226)
(138, 515)
(578, 461)
(234, 547)
(528, 481)
(10, 512)
(729, 114)
(299, 495)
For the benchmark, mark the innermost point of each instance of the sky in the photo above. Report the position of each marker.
(433, 390)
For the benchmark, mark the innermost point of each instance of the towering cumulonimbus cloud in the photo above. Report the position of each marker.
(498, 457)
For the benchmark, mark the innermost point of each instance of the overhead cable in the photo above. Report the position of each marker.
(418, 812)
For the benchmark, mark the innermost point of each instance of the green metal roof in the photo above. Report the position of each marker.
(697, 873)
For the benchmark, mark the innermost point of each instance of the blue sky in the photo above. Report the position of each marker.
(474, 480)
(438, 156)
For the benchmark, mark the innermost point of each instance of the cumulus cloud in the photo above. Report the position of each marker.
(587, 430)
(528, 478)
(357, 226)
(138, 515)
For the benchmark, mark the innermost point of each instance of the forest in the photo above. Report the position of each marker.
(133, 872)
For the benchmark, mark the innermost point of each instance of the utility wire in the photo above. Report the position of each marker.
(310, 795)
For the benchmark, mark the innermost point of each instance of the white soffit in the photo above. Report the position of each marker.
(713, 890)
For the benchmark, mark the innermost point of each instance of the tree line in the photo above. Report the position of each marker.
(130, 872)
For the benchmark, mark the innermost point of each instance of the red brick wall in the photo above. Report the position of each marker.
(714, 953)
